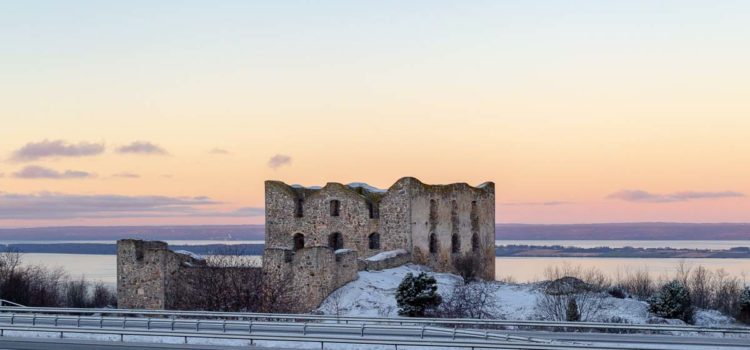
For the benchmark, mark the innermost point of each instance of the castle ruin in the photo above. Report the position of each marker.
(318, 238)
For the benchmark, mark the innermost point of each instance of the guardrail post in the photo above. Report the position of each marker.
(422, 335)
(363, 330)
(148, 323)
(304, 328)
(33, 320)
(197, 326)
(224, 325)
(56, 320)
(78, 321)
(12, 318)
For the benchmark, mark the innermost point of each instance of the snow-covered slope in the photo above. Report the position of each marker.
(373, 294)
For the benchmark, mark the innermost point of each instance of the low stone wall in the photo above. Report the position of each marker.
(386, 260)
(312, 272)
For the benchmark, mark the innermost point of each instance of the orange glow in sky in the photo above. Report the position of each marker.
(176, 112)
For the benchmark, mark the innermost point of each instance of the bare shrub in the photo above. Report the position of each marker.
(473, 300)
(637, 283)
(103, 296)
(230, 282)
(555, 307)
(76, 293)
(468, 266)
(591, 276)
(334, 304)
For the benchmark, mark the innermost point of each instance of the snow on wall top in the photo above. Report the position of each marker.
(387, 255)
(366, 187)
(190, 254)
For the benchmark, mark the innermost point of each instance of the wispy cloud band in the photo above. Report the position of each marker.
(142, 147)
(55, 149)
(648, 197)
(279, 160)
(50, 205)
(39, 172)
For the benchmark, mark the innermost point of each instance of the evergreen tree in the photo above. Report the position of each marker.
(744, 314)
(417, 294)
(572, 314)
(672, 301)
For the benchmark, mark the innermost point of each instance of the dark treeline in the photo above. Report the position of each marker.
(35, 285)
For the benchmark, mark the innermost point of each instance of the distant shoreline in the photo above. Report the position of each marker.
(600, 232)
(520, 251)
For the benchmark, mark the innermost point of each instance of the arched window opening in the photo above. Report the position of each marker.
(336, 241)
(475, 243)
(454, 217)
(433, 243)
(373, 209)
(374, 240)
(455, 244)
(474, 216)
(335, 207)
(298, 208)
(299, 241)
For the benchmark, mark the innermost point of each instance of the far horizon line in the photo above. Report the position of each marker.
(496, 224)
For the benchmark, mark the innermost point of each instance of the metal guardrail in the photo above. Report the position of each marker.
(328, 339)
(452, 322)
(173, 324)
(430, 336)
(4, 302)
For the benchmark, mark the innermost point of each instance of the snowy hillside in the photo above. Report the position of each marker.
(373, 294)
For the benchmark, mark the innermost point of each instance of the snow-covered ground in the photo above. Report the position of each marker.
(373, 294)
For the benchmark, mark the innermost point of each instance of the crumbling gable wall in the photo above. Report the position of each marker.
(453, 220)
(148, 274)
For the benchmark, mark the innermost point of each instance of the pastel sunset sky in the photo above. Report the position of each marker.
(175, 112)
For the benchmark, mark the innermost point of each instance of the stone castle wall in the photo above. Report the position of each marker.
(459, 220)
(312, 273)
(148, 273)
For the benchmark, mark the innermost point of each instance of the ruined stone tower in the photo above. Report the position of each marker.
(149, 275)
(318, 238)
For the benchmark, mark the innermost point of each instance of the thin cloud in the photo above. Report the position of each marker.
(547, 203)
(39, 172)
(56, 149)
(219, 151)
(142, 147)
(127, 175)
(648, 197)
(49, 205)
(279, 160)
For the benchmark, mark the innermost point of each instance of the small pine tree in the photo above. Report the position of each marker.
(672, 301)
(572, 314)
(417, 294)
(744, 314)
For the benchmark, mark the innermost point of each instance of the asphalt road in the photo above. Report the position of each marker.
(637, 339)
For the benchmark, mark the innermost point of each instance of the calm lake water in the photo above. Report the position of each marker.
(634, 244)
(103, 268)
